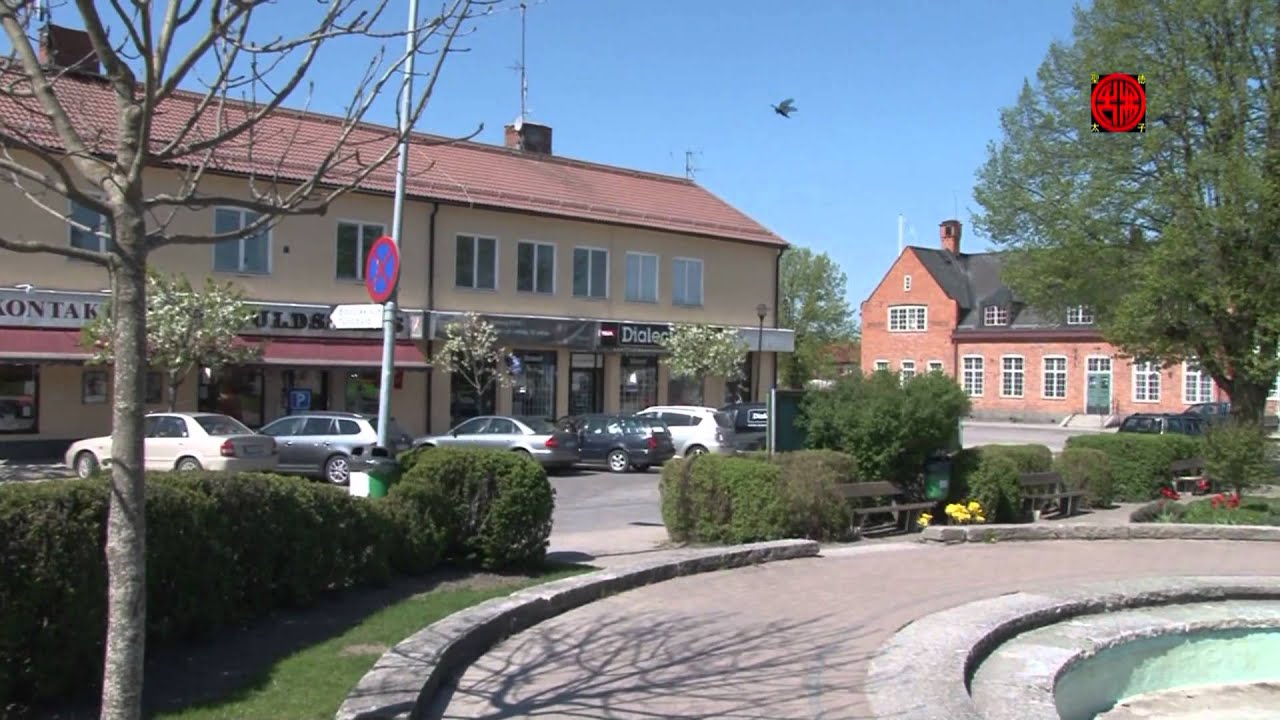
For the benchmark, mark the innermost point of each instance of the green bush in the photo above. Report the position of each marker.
(1159, 511)
(1089, 470)
(1238, 455)
(744, 499)
(888, 428)
(221, 549)
(495, 506)
(1139, 463)
(989, 474)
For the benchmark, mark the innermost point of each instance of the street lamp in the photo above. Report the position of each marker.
(761, 311)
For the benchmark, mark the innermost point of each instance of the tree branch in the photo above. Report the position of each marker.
(33, 246)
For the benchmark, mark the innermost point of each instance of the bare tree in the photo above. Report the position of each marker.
(472, 353)
(217, 106)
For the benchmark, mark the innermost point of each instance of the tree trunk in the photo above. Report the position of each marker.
(1249, 401)
(126, 519)
(171, 390)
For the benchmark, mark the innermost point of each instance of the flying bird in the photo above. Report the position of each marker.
(785, 108)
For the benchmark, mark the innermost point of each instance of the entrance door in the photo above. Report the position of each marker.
(586, 391)
(1098, 386)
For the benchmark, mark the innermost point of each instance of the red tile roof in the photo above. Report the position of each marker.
(290, 144)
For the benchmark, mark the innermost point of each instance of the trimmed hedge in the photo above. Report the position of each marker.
(224, 549)
(989, 474)
(1139, 463)
(714, 499)
(1089, 470)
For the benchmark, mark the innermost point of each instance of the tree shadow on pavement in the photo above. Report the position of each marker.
(677, 666)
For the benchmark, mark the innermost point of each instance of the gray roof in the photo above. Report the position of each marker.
(973, 281)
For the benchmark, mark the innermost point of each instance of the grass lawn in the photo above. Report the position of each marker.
(311, 683)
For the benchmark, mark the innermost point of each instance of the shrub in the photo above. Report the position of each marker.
(1139, 463)
(495, 506)
(221, 549)
(1238, 455)
(1089, 470)
(983, 473)
(1158, 511)
(888, 428)
(809, 477)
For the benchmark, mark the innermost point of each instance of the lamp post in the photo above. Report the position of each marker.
(761, 311)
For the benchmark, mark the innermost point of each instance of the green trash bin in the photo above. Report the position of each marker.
(383, 471)
(937, 477)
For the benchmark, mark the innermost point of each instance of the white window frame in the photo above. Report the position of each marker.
(881, 365)
(537, 245)
(475, 261)
(1200, 393)
(590, 253)
(1020, 374)
(702, 291)
(360, 250)
(1079, 315)
(908, 318)
(657, 277)
(995, 315)
(936, 366)
(241, 270)
(906, 283)
(907, 369)
(71, 230)
(1147, 370)
(1045, 373)
(973, 380)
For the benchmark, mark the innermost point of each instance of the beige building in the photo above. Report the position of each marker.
(582, 267)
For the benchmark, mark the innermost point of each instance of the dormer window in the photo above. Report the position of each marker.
(906, 283)
(995, 315)
(1079, 315)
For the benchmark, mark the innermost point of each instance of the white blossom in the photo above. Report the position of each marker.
(697, 351)
(471, 351)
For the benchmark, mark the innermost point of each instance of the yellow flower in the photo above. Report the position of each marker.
(924, 519)
(974, 506)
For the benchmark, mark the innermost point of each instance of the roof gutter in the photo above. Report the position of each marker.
(431, 299)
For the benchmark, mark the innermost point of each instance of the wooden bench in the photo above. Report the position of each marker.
(1187, 474)
(1041, 489)
(904, 514)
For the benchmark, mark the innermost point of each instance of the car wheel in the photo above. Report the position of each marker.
(189, 464)
(522, 453)
(618, 461)
(696, 450)
(86, 464)
(337, 470)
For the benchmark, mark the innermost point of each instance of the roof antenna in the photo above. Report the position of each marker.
(42, 12)
(690, 171)
(520, 66)
(901, 230)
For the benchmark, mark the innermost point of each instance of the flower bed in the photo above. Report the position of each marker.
(1220, 509)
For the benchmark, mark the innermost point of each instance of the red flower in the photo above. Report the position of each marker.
(1169, 493)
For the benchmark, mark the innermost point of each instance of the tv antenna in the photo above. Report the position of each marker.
(520, 66)
(690, 170)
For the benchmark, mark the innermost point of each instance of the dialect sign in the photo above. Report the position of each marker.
(70, 310)
(641, 335)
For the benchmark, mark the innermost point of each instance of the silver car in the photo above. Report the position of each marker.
(536, 437)
(696, 430)
(319, 444)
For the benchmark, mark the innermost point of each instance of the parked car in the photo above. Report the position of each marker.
(696, 430)
(186, 442)
(750, 424)
(537, 437)
(621, 442)
(318, 443)
(1162, 424)
(1211, 412)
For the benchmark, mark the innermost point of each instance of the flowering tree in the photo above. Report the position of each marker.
(186, 329)
(696, 351)
(471, 351)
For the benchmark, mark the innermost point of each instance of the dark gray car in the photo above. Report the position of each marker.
(319, 444)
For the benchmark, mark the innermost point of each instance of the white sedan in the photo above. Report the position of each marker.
(186, 442)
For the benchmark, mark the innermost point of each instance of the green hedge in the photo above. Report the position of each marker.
(224, 549)
(1139, 463)
(989, 474)
(1089, 470)
(714, 499)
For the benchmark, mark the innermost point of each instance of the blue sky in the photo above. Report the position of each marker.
(897, 101)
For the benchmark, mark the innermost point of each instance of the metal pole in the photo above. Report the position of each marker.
(760, 358)
(397, 227)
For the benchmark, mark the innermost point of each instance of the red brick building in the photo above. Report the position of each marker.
(946, 310)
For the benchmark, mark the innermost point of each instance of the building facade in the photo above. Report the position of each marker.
(940, 309)
(581, 267)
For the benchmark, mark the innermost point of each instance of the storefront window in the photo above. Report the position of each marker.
(639, 382)
(684, 391)
(466, 402)
(19, 400)
(533, 386)
(586, 383)
(743, 388)
(233, 391)
(362, 392)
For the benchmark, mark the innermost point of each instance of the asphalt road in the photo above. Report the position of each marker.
(984, 433)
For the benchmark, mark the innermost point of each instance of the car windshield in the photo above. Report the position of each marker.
(541, 426)
(724, 420)
(221, 425)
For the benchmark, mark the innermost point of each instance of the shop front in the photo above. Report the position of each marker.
(50, 397)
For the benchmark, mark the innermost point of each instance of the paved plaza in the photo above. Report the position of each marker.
(788, 639)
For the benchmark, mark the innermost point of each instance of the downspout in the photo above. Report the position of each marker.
(431, 301)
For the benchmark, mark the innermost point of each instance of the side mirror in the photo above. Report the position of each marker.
(453, 433)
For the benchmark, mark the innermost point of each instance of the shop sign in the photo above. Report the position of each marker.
(45, 309)
(647, 335)
(518, 330)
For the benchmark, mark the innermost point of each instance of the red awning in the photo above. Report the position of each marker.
(337, 352)
(41, 344)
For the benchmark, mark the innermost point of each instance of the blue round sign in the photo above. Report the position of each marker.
(382, 269)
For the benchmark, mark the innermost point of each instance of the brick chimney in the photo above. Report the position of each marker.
(68, 49)
(529, 137)
(949, 230)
